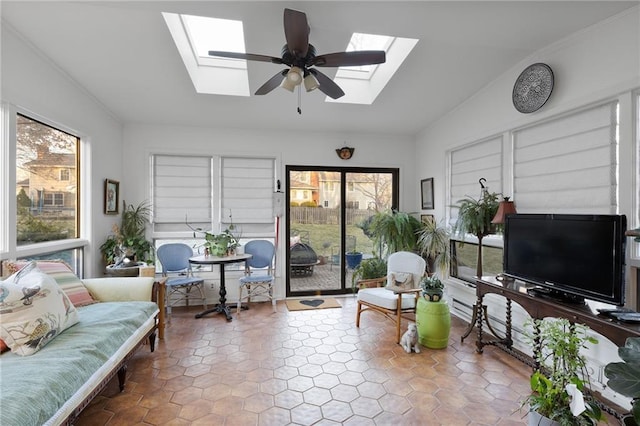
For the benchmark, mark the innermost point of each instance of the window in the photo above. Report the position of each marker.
(469, 163)
(185, 190)
(47, 205)
(464, 259)
(569, 164)
(52, 199)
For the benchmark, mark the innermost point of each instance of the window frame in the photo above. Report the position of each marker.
(8, 225)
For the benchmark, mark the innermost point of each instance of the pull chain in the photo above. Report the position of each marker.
(299, 100)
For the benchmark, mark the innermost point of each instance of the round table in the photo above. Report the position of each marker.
(221, 307)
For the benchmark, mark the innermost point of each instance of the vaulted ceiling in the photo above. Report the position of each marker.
(123, 55)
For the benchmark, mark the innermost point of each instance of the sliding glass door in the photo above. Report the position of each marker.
(328, 210)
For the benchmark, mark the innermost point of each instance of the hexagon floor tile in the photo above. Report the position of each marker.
(305, 368)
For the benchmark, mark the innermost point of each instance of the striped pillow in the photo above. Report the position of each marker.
(60, 271)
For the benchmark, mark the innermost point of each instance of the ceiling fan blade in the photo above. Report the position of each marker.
(327, 86)
(272, 83)
(247, 56)
(296, 31)
(349, 59)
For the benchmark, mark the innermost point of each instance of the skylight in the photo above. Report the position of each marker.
(363, 84)
(194, 36)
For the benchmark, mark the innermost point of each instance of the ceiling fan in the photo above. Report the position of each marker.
(300, 56)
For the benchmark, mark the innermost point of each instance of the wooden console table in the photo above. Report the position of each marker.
(538, 308)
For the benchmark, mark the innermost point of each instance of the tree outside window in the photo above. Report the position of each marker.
(46, 176)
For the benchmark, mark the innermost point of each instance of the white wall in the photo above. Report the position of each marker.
(33, 85)
(602, 62)
(309, 149)
(598, 63)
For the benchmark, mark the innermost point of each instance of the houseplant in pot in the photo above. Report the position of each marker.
(370, 272)
(624, 377)
(561, 378)
(394, 231)
(128, 244)
(432, 288)
(434, 245)
(475, 216)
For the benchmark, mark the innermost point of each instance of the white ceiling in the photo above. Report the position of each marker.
(122, 54)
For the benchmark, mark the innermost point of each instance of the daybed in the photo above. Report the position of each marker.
(54, 384)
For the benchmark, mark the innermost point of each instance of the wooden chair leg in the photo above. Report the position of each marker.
(399, 318)
(358, 310)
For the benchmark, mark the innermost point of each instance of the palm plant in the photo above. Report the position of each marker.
(434, 244)
(474, 217)
(394, 231)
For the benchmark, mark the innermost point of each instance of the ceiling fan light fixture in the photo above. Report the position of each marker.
(310, 83)
(292, 79)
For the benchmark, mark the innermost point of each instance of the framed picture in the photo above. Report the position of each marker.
(426, 187)
(111, 196)
(424, 218)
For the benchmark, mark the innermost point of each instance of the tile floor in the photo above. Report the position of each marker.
(309, 368)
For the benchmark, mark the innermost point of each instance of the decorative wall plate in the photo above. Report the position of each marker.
(533, 88)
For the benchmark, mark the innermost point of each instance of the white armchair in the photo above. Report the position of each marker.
(399, 297)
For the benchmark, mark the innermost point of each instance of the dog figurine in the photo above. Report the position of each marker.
(409, 340)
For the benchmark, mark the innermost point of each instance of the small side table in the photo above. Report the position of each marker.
(222, 306)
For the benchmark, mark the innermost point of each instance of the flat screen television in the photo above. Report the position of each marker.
(577, 256)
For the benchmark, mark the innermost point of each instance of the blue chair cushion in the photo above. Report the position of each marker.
(255, 279)
(179, 281)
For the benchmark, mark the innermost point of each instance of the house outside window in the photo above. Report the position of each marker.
(47, 180)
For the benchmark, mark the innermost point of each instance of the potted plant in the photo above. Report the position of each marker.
(434, 245)
(624, 377)
(474, 217)
(561, 374)
(128, 242)
(432, 288)
(354, 258)
(394, 231)
(370, 272)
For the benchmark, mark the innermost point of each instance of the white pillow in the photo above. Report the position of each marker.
(33, 310)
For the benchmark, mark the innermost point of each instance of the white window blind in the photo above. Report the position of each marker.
(247, 193)
(569, 164)
(470, 163)
(182, 190)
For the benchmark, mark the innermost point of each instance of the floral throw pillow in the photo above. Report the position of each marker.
(33, 310)
(398, 281)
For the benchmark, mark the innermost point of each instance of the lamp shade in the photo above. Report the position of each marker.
(292, 79)
(310, 83)
(504, 208)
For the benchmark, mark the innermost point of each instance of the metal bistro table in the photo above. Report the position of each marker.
(221, 307)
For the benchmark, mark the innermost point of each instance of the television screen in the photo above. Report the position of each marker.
(580, 255)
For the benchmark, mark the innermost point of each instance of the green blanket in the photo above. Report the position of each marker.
(33, 388)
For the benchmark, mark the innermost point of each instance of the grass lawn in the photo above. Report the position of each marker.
(324, 238)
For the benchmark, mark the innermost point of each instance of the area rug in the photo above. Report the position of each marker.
(313, 303)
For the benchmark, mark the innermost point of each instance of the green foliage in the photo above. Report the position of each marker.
(561, 364)
(220, 244)
(394, 231)
(368, 269)
(434, 244)
(129, 238)
(23, 199)
(475, 216)
(624, 377)
(431, 283)
(308, 204)
(33, 229)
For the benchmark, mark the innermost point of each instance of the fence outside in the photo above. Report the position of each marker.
(325, 216)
